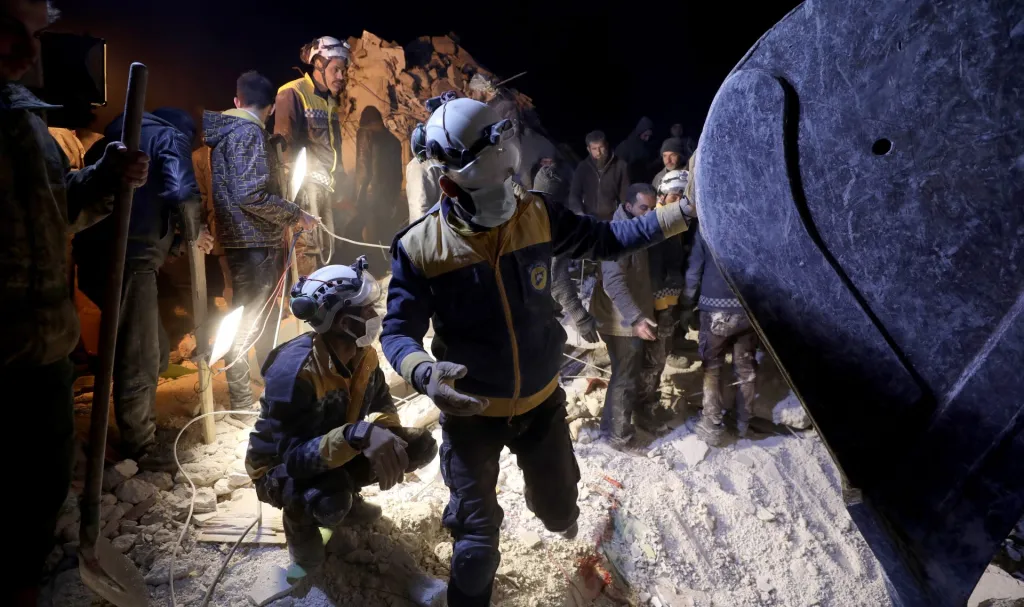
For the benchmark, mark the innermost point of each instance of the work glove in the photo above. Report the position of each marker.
(587, 328)
(666, 323)
(387, 456)
(437, 380)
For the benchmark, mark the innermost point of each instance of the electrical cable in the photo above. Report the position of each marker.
(350, 241)
(191, 508)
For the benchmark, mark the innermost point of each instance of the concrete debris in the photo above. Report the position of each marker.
(202, 474)
(118, 473)
(530, 539)
(693, 450)
(159, 515)
(744, 460)
(123, 543)
(574, 429)
(238, 479)
(790, 412)
(140, 509)
(206, 501)
(764, 584)
(161, 480)
(765, 515)
(135, 491)
(241, 494)
(158, 574)
(222, 488)
(361, 556)
(271, 584)
(443, 551)
(108, 500)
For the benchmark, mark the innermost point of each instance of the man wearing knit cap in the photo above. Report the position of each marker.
(673, 155)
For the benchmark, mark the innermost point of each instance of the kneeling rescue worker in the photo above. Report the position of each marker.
(327, 425)
(479, 263)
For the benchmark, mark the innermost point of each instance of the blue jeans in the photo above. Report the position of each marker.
(470, 463)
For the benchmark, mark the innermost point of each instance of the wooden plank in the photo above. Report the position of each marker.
(197, 270)
(230, 523)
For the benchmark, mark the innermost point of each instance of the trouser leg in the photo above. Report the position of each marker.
(744, 362)
(626, 355)
(49, 417)
(712, 354)
(544, 452)
(137, 364)
(470, 452)
(655, 355)
(309, 246)
(254, 274)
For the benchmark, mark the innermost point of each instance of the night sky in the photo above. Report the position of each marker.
(590, 66)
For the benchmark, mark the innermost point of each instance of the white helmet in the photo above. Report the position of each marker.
(474, 145)
(326, 47)
(674, 181)
(319, 297)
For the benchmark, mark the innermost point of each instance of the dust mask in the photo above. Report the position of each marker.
(370, 334)
(494, 204)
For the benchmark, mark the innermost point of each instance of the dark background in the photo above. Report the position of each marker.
(590, 65)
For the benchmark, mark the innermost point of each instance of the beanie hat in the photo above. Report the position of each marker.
(674, 145)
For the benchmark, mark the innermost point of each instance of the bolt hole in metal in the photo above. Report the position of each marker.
(881, 147)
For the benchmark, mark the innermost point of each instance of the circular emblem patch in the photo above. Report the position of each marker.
(539, 277)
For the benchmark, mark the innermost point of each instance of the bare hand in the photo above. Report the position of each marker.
(644, 329)
(205, 241)
(306, 222)
(131, 168)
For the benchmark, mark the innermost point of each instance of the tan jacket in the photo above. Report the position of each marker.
(623, 294)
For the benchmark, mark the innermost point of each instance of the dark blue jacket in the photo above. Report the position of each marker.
(171, 186)
(249, 210)
(489, 293)
(704, 277)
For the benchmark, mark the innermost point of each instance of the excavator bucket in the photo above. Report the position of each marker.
(860, 180)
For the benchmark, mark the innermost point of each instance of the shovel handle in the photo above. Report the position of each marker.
(135, 101)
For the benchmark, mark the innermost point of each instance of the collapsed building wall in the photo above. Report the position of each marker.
(398, 80)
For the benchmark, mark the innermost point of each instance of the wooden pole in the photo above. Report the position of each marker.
(200, 312)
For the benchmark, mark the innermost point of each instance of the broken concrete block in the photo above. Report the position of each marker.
(764, 584)
(118, 473)
(765, 515)
(159, 574)
(160, 480)
(789, 412)
(206, 501)
(107, 500)
(530, 539)
(222, 488)
(443, 552)
(744, 460)
(270, 584)
(202, 474)
(123, 543)
(140, 509)
(237, 479)
(155, 516)
(135, 491)
(693, 450)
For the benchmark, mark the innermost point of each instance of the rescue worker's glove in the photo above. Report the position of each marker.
(666, 323)
(387, 456)
(587, 327)
(437, 381)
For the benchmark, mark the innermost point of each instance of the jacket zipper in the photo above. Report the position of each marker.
(496, 264)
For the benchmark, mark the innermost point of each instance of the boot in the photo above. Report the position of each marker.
(305, 545)
(710, 432)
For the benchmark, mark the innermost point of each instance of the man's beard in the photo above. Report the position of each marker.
(603, 160)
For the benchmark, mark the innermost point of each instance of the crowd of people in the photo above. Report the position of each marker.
(483, 259)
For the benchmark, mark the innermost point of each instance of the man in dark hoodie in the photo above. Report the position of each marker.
(251, 214)
(170, 197)
(638, 151)
(600, 182)
(378, 176)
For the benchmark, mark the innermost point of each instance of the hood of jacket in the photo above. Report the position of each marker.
(644, 124)
(218, 125)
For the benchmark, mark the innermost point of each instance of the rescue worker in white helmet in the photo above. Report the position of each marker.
(307, 116)
(327, 425)
(478, 264)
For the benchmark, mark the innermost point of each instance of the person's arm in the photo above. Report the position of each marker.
(584, 237)
(382, 410)
(410, 307)
(90, 191)
(253, 182)
(613, 281)
(695, 268)
(290, 121)
(179, 190)
(575, 202)
(289, 426)
(563, 290)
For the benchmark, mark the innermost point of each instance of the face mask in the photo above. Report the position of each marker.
(373, 329)
(494, 204)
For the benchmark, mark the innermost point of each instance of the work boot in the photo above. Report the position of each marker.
(571, 532)
(156, 457)
(305, 545)
(361, 513)
(710, 432)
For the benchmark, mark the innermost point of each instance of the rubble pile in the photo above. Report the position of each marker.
(398, 80)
